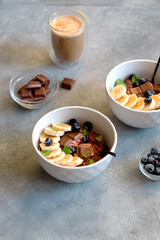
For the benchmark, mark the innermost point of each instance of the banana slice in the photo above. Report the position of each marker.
(149, 106)
(75, 162)
(52, 147)
(118, 92)
(44, 136)
(156, 98)
(58, 158)
(53, 132)
(64, 161)
(140, 104)
(131, 101)
(54, 153)
(62, 126)
(123, 100)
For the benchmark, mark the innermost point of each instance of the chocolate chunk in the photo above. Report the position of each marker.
(85, 148)
(137, 91)
(74, 135)
(33, 84)
(156, 88)
(146, 86)
(65, 140)
(67, 83)
(42, 79)
(40, 92)
(26, 94)
(129, 83)
(19, 91)
(47, 89)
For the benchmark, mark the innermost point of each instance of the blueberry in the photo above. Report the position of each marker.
(75, 127)
(150, 154)
(73, 149)
(149, 168)
(148, 100)
(155, 163)
(157, 170)
(131, 75)
(150, 159)
(88, 126)
(155, 151)
(85, 139)
(72, 121)
(148, 93)
(144, 160)
(142, 81)
(136, 84)
(102, 154)
(48, 141)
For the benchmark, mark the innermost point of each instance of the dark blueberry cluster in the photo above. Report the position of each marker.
(152, 161)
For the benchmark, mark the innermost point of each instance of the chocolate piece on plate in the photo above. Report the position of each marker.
(26, 94)
(85, 148)
(42, 79)
(137, 91)
(68, 83)
(146, 86)
(33, 84)
(74, 135)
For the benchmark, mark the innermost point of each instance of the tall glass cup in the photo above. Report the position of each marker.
(66, 36)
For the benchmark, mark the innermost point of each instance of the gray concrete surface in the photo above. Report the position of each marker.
(120, 203)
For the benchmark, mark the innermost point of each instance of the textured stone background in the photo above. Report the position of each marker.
(120, 203)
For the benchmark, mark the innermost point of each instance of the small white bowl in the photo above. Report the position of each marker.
(134, 118)
(23, 78)
(101, 125)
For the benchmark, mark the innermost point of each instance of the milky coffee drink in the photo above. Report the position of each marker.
(67, 37)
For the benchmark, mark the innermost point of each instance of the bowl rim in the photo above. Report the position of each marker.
(123, 107)
(29, 72)
(79, 107)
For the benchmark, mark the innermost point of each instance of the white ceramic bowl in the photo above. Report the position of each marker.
(134, 118)
(101, 124)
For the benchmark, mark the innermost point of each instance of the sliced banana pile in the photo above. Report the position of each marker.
(49, 140)
(132, 101)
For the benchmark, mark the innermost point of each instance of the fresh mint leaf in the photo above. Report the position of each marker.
(84, 155)
(66, 150)
(45, 152)
(91, 161)
(119, 82)
(84, 132)
(158, 89)
(99, 138)
(135, 78)
(55, 129)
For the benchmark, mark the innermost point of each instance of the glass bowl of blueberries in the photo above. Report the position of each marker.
(149, 163)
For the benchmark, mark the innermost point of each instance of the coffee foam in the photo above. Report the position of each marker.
(67, 25)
